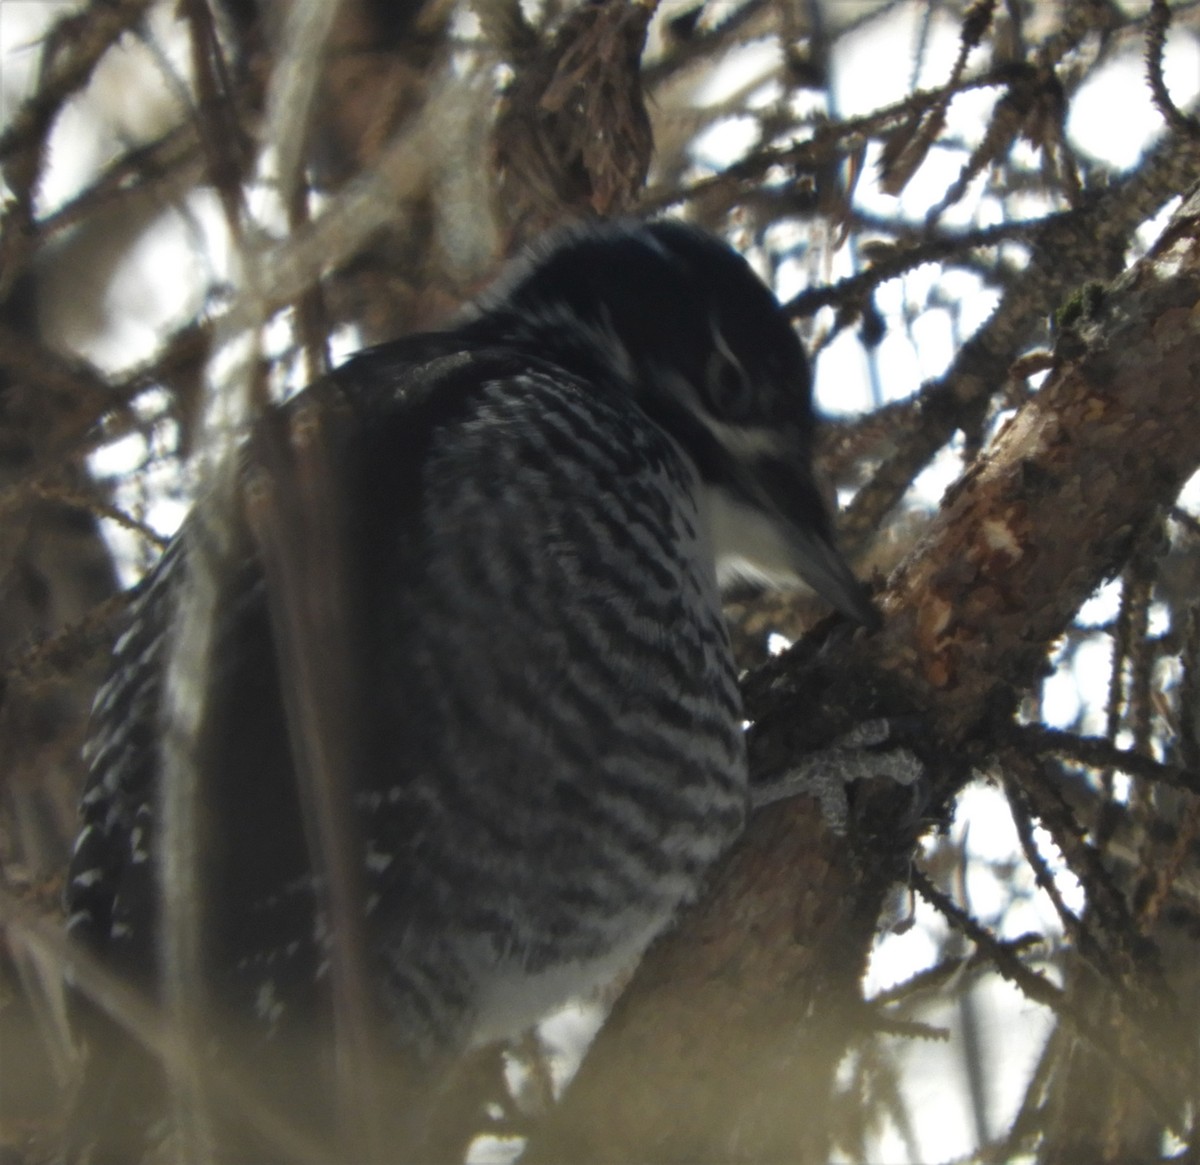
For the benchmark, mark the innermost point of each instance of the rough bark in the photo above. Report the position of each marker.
(724, 1046)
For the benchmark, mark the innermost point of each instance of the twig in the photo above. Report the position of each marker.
(1019, 808)
(70, 647)
(1098, 753)
(75, 46)
(298, 519)
(1158, 21)
(148, 1025)
(1069, 251)
(1041, 990)
(1106, 901)
(895, 260)
(44, 491)
(223, 140)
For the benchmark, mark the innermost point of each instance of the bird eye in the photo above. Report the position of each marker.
(729, 389)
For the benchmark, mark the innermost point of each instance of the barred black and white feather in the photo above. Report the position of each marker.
(550, 752)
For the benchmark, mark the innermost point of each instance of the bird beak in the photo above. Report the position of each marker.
(819, 563)
(779, 525)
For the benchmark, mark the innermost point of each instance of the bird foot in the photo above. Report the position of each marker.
(827, 774)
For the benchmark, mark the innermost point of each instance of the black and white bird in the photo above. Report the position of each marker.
(549, 742)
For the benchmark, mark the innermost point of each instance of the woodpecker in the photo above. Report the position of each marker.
(540, 503)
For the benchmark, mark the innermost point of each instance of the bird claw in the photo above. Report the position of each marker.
(827, 774)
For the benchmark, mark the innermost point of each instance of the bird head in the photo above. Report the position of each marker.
(680, 320)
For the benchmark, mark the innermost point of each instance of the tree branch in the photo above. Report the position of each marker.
(734, 1024)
